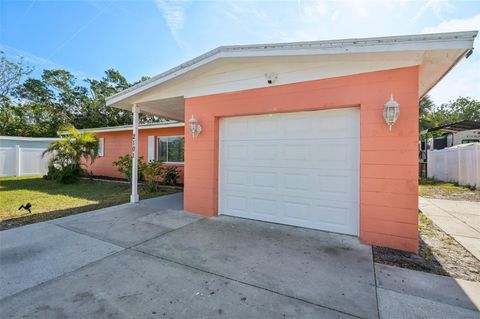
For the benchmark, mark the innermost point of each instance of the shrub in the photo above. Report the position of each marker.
(124, 166)
(153, 171)
(67, 175)
(170, 175)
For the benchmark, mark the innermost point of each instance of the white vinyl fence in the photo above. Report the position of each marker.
(460, 164)
(21, 161)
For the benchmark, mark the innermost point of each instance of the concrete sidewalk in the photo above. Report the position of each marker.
(459, 219)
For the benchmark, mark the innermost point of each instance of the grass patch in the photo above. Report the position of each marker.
(444, 190)
(51, 199)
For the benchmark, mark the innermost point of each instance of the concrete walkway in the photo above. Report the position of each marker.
(147, 261)
(459, 219)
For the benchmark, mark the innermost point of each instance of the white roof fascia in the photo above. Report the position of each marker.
(452, 40)
(31, 139)
(130, 127)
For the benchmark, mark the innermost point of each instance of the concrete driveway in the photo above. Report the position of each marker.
(152, 261)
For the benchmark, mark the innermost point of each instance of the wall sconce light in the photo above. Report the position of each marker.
(195, 127)
(391, 112)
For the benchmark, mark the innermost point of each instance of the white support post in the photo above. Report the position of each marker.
(134, 196)
(18, 160)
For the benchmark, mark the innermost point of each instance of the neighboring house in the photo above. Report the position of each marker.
(294, 133)
(158, 141)
(22, 156)
(463, 132)
(453, 134)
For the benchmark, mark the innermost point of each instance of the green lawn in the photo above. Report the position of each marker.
(444, 190)
(51, 199)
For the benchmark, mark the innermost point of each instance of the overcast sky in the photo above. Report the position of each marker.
(147, 37)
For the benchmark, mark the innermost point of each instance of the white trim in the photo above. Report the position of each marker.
(32, 139)
(101, 147)
(130, 127)
(24, 148)
(151, 148)
(452, 40)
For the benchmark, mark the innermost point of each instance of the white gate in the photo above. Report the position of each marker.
(460, 164)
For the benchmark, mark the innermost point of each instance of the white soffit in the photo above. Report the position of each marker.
(235, 68)
(130, 127)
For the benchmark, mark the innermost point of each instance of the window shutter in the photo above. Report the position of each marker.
(101, 146)
(151, 148)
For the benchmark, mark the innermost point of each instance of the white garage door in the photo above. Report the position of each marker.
(297, 168)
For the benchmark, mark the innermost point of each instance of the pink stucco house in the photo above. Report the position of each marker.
(294, 133)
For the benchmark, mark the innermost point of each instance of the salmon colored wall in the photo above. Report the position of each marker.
(388, 160)
(120, 143)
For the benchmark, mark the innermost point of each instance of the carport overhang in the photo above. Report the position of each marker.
(243, 67)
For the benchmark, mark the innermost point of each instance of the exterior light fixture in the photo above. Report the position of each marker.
(195, 127)
(391, 112)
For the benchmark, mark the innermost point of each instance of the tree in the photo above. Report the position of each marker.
(463, 108)
(11, 74)
(426, 107)
(41, 106)
(65, 164)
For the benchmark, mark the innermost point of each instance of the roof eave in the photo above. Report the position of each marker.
(456, 40)
(129, 127)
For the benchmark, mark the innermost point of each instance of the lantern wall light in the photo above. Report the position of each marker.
(195, 127)
(391, 112)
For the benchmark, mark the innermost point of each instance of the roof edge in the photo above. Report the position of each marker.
(32, 139)
(226, 51)
(130, 127)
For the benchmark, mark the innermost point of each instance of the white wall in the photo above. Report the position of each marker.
(459, 164)
(18, 161)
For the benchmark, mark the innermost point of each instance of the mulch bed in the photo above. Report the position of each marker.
(439, 254)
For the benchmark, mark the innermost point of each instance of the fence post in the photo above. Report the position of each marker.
(18, 154)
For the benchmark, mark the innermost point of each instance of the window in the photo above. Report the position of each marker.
(101, 146)
(170, 149)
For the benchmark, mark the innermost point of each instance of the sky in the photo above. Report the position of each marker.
(147, 37)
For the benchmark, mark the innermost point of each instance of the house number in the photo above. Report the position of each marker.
(133, 143)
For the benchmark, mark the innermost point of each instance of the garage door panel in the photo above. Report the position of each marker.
(264, 179)
(249, 192)
(235, 203)
(238, 152)
(313, 154)
(295, 125)
(293, 168)
(236, 177)
(299, 182)
(335, 216)
(265, 152)
(294, 211)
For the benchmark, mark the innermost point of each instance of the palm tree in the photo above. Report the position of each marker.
(66, 155)
(426, 108)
